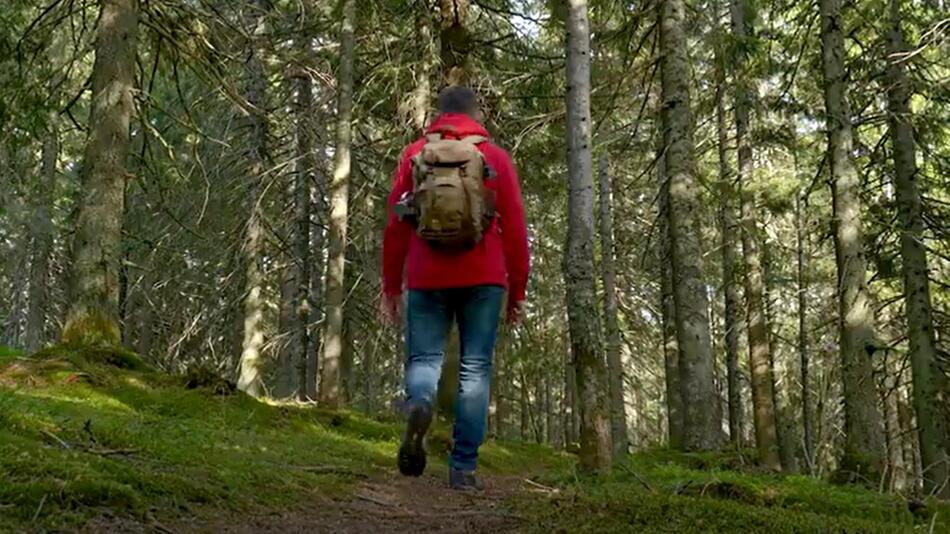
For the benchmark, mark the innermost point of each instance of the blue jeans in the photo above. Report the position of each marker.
(429, 315)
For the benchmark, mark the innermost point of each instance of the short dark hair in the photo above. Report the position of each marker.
(458, 99)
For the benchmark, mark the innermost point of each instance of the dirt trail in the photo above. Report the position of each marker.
(391, 504)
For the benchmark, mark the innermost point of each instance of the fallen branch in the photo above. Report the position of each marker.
(325, 470)
(682, 489)
(158, 526)
(374, 500)
(39, 508)
(639, 479)
(471, 513)
(111, 452)
(541, 486)
(55, 438)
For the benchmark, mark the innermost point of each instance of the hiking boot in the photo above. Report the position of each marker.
(464, 480)
(412, 452)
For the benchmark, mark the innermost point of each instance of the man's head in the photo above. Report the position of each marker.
(459, 99)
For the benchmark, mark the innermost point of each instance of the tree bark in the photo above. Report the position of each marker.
(502, 385)
(317, 277)
(94, 289)
(523, 402)
(671, 354)
(422, 93)
(455, 42)
(864, 442)
(303, 177)
(331, 377)
(730, 286)
(548, 411)
(928, 397)
(618, 412)
(583, 319)
(910, 442)
(701, 409)
(19, 265)
(286, 318)
(785, 432)
(250, 377)
(570, 403)
(896, 470)
(42, 230)
(763, 406)
(803, 351)
(449, 378)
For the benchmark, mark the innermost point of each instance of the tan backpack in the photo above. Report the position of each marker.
(452, 207)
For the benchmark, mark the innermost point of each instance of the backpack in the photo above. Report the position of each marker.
(450, 204)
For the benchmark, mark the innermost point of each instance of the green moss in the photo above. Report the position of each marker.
(91, 328)
(665, 491)
(138, 440)
(79, 435)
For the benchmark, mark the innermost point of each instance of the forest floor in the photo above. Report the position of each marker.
(96, 442)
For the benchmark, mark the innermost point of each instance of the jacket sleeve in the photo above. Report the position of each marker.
(397, 234)
(513, 229)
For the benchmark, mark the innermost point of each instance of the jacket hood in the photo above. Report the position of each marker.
(456, 125)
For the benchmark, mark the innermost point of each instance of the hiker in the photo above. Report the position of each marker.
(457, 226)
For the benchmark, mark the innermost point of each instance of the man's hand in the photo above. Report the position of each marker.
(390, 308)
(515, 312)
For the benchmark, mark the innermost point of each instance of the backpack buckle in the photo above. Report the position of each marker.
(405, 208)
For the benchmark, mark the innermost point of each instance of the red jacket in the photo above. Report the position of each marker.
(501, 258)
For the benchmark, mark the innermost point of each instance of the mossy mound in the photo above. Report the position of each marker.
(667, 491)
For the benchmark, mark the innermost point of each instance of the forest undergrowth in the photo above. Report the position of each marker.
(97, 441)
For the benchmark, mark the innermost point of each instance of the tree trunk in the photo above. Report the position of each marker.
(454, 39)
(548, 410)
(449, 379)
(349, 387)
(584, 323)
(730, 290)
(570, 403)
(671, 354)
(763, 406)
(250, 378)
(331, 376)
(94, 289)
(803, 350)
(701, 409)
(422, 94)
(19, 266)
(864, 442)
(303, 177)
(896, 470)
(523, 402)
(317, 277)
(286, 319)
(42, 230)
(910, 442)
(455, 42)
(928, 397)
(618, 412)
(785, 432)
(501, 384)
(145, 316)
